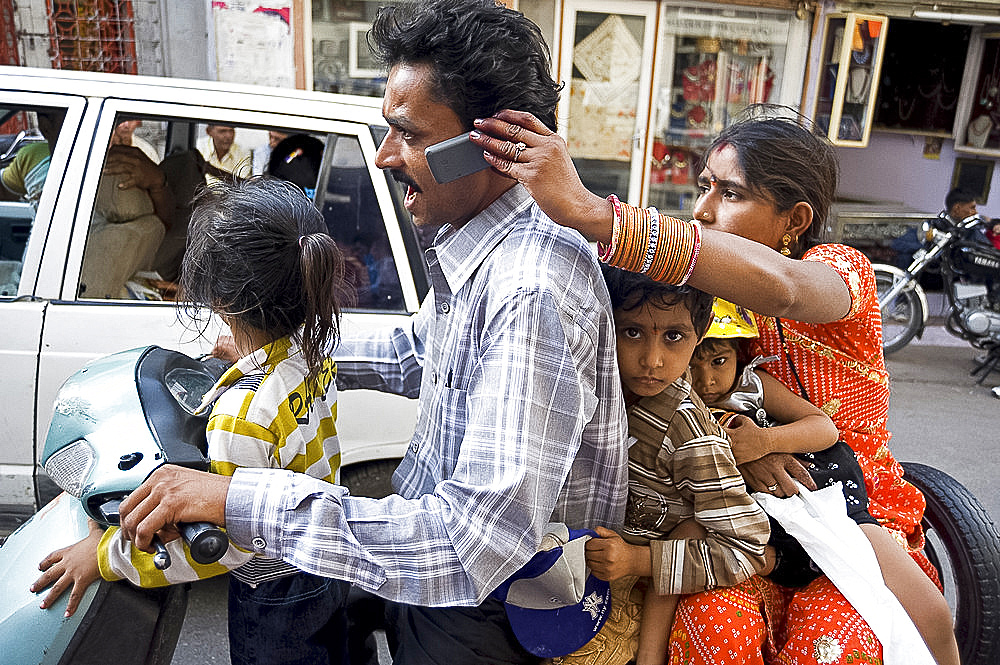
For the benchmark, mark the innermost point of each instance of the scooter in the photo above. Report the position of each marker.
(970, 273)
(114, 422)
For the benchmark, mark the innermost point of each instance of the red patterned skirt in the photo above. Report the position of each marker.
(760, 622)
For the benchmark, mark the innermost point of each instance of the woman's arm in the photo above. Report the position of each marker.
(804, 428)
(729, 266)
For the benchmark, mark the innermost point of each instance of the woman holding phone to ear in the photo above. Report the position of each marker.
(764, 194)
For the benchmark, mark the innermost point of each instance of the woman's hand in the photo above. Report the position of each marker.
(774, 474)
(74, 566)
(520, 146)
(609, 557)
(749, 442)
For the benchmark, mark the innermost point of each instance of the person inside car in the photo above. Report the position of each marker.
(24, 177)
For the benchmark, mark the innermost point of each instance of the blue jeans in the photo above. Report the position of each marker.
(294, 620)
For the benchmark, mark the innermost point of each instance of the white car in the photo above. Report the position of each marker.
(84, 272)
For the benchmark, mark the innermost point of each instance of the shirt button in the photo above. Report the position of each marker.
(414, 446)
(258, 543)
(434, 378)
(445, 308)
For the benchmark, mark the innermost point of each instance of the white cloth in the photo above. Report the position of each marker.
(819, 521)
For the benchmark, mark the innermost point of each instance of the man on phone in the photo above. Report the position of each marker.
(520, 421)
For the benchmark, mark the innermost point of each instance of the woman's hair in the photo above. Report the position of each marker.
(258, 252)
(629, 290)
(484, 57)
(783, 158)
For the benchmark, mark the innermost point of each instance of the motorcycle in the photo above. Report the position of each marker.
(114, 422)
(970, 273)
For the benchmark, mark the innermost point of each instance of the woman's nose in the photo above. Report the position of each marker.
(702, 210)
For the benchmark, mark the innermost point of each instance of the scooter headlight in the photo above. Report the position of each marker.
(70, 467)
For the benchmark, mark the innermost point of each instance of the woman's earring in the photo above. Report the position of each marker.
(786, 240)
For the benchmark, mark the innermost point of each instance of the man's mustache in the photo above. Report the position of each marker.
(404, 179)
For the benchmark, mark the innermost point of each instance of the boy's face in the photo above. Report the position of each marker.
(713, 371)
(654, 347)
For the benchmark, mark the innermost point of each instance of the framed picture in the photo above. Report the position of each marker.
(360, 63)
(974, 176)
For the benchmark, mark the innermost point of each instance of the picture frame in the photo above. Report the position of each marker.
(973, 176)
(360, 62)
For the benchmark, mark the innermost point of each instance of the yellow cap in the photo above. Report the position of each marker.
(729, 320)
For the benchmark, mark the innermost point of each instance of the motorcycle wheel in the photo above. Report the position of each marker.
(963, 544)
(901, 318)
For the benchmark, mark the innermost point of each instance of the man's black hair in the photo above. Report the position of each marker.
(629, 290)
(484, 57)
(958, 195)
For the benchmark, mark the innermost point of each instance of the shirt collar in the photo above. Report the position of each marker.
(258, 361)
(670, 397)
(461, 251)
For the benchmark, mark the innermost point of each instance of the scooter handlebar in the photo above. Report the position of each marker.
(206, 542)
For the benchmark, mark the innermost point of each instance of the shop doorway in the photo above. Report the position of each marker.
(607, 63)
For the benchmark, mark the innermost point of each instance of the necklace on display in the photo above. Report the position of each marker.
(857, 85)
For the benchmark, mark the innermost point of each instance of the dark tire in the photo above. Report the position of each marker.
(964, 545)
(372, 479)
(901, 318)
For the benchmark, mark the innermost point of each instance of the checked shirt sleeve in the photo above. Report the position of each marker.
(526, 403)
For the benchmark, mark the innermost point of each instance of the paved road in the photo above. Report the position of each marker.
(938, 416)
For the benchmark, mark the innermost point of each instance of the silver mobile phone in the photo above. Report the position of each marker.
(454, 158)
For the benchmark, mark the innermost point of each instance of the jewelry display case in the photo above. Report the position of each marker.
(712, 64)
(977, 128)
(853, 46)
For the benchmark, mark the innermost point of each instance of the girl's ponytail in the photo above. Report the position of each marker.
(323, 290)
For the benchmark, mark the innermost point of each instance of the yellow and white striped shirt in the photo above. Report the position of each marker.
(264, 415)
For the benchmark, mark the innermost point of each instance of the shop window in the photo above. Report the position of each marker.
(850, 66)
(978, 128)
(713, 65)
(93, 35)
(919, 86)
(341, 59)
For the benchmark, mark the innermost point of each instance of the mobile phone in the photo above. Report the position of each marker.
(455, 158)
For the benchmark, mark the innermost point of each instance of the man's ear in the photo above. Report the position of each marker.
(800, 218)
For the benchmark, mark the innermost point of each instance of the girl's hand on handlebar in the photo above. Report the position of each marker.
(74, 566)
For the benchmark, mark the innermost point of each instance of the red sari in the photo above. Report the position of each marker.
(842, 367)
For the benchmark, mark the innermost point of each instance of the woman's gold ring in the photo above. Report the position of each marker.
(518, 147)
(771, 488)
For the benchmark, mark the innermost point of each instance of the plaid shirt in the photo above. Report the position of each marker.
(520, 422)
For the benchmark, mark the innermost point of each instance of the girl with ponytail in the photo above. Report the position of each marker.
(259, 257)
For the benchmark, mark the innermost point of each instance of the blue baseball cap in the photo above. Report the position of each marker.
(553, 603)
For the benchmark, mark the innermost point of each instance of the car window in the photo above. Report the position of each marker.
(27, 139)
(353, 218)
(138, 229)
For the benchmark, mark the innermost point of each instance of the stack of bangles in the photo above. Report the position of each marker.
(642, 240)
